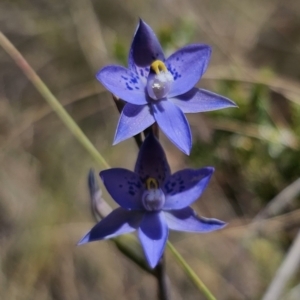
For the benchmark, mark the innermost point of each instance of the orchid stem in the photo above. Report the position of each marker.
(162, 280)
(191, 274)
(51, 99)
(121, 242)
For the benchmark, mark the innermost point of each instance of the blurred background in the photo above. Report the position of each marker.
(44, 200)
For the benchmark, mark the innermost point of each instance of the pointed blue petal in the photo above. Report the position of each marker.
(174, 124)
(153, 234)
(187, 66)
(185, 187)
(186, 220)
(119, 221)
(199, 100)
(123, 83)
(145, 47)
(152, 161)
(124, 186)
(142, 72)
(133, 120)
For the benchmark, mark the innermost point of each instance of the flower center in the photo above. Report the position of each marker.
(159, 80)
(153, 198)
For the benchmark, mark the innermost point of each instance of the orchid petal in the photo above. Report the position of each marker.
(174, 124)
(153, 234)
(187, 66)
(145, 47)
(142, 72)
(152, 161)
(133, 120)
(123, 83)
(186, 220)
(119, 221)
(199, 100)
(124, 186)
(185, 186)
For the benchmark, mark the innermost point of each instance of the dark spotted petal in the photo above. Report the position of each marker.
(187, 66)
(185, 187)
(118, 222)
(123, 83)
(152, 161)
(145, 47)
(186, 220)
(124, 186)
(153, 234)
(142, 72)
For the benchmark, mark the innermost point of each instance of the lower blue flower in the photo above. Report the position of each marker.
(153, 201)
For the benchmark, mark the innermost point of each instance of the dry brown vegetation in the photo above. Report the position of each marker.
(44, 203)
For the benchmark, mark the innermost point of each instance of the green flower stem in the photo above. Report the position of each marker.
(191, 274)
(86, 143)
(51, 99)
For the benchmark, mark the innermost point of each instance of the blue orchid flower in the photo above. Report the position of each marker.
(153, 201)
(160, 90)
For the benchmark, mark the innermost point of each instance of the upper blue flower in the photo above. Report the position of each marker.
(153, 201)
(160, 89)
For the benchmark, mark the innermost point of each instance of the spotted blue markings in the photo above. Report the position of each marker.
(173, 71)
(168, 187)
(174, 185)
(132, 82)
(128, 86)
